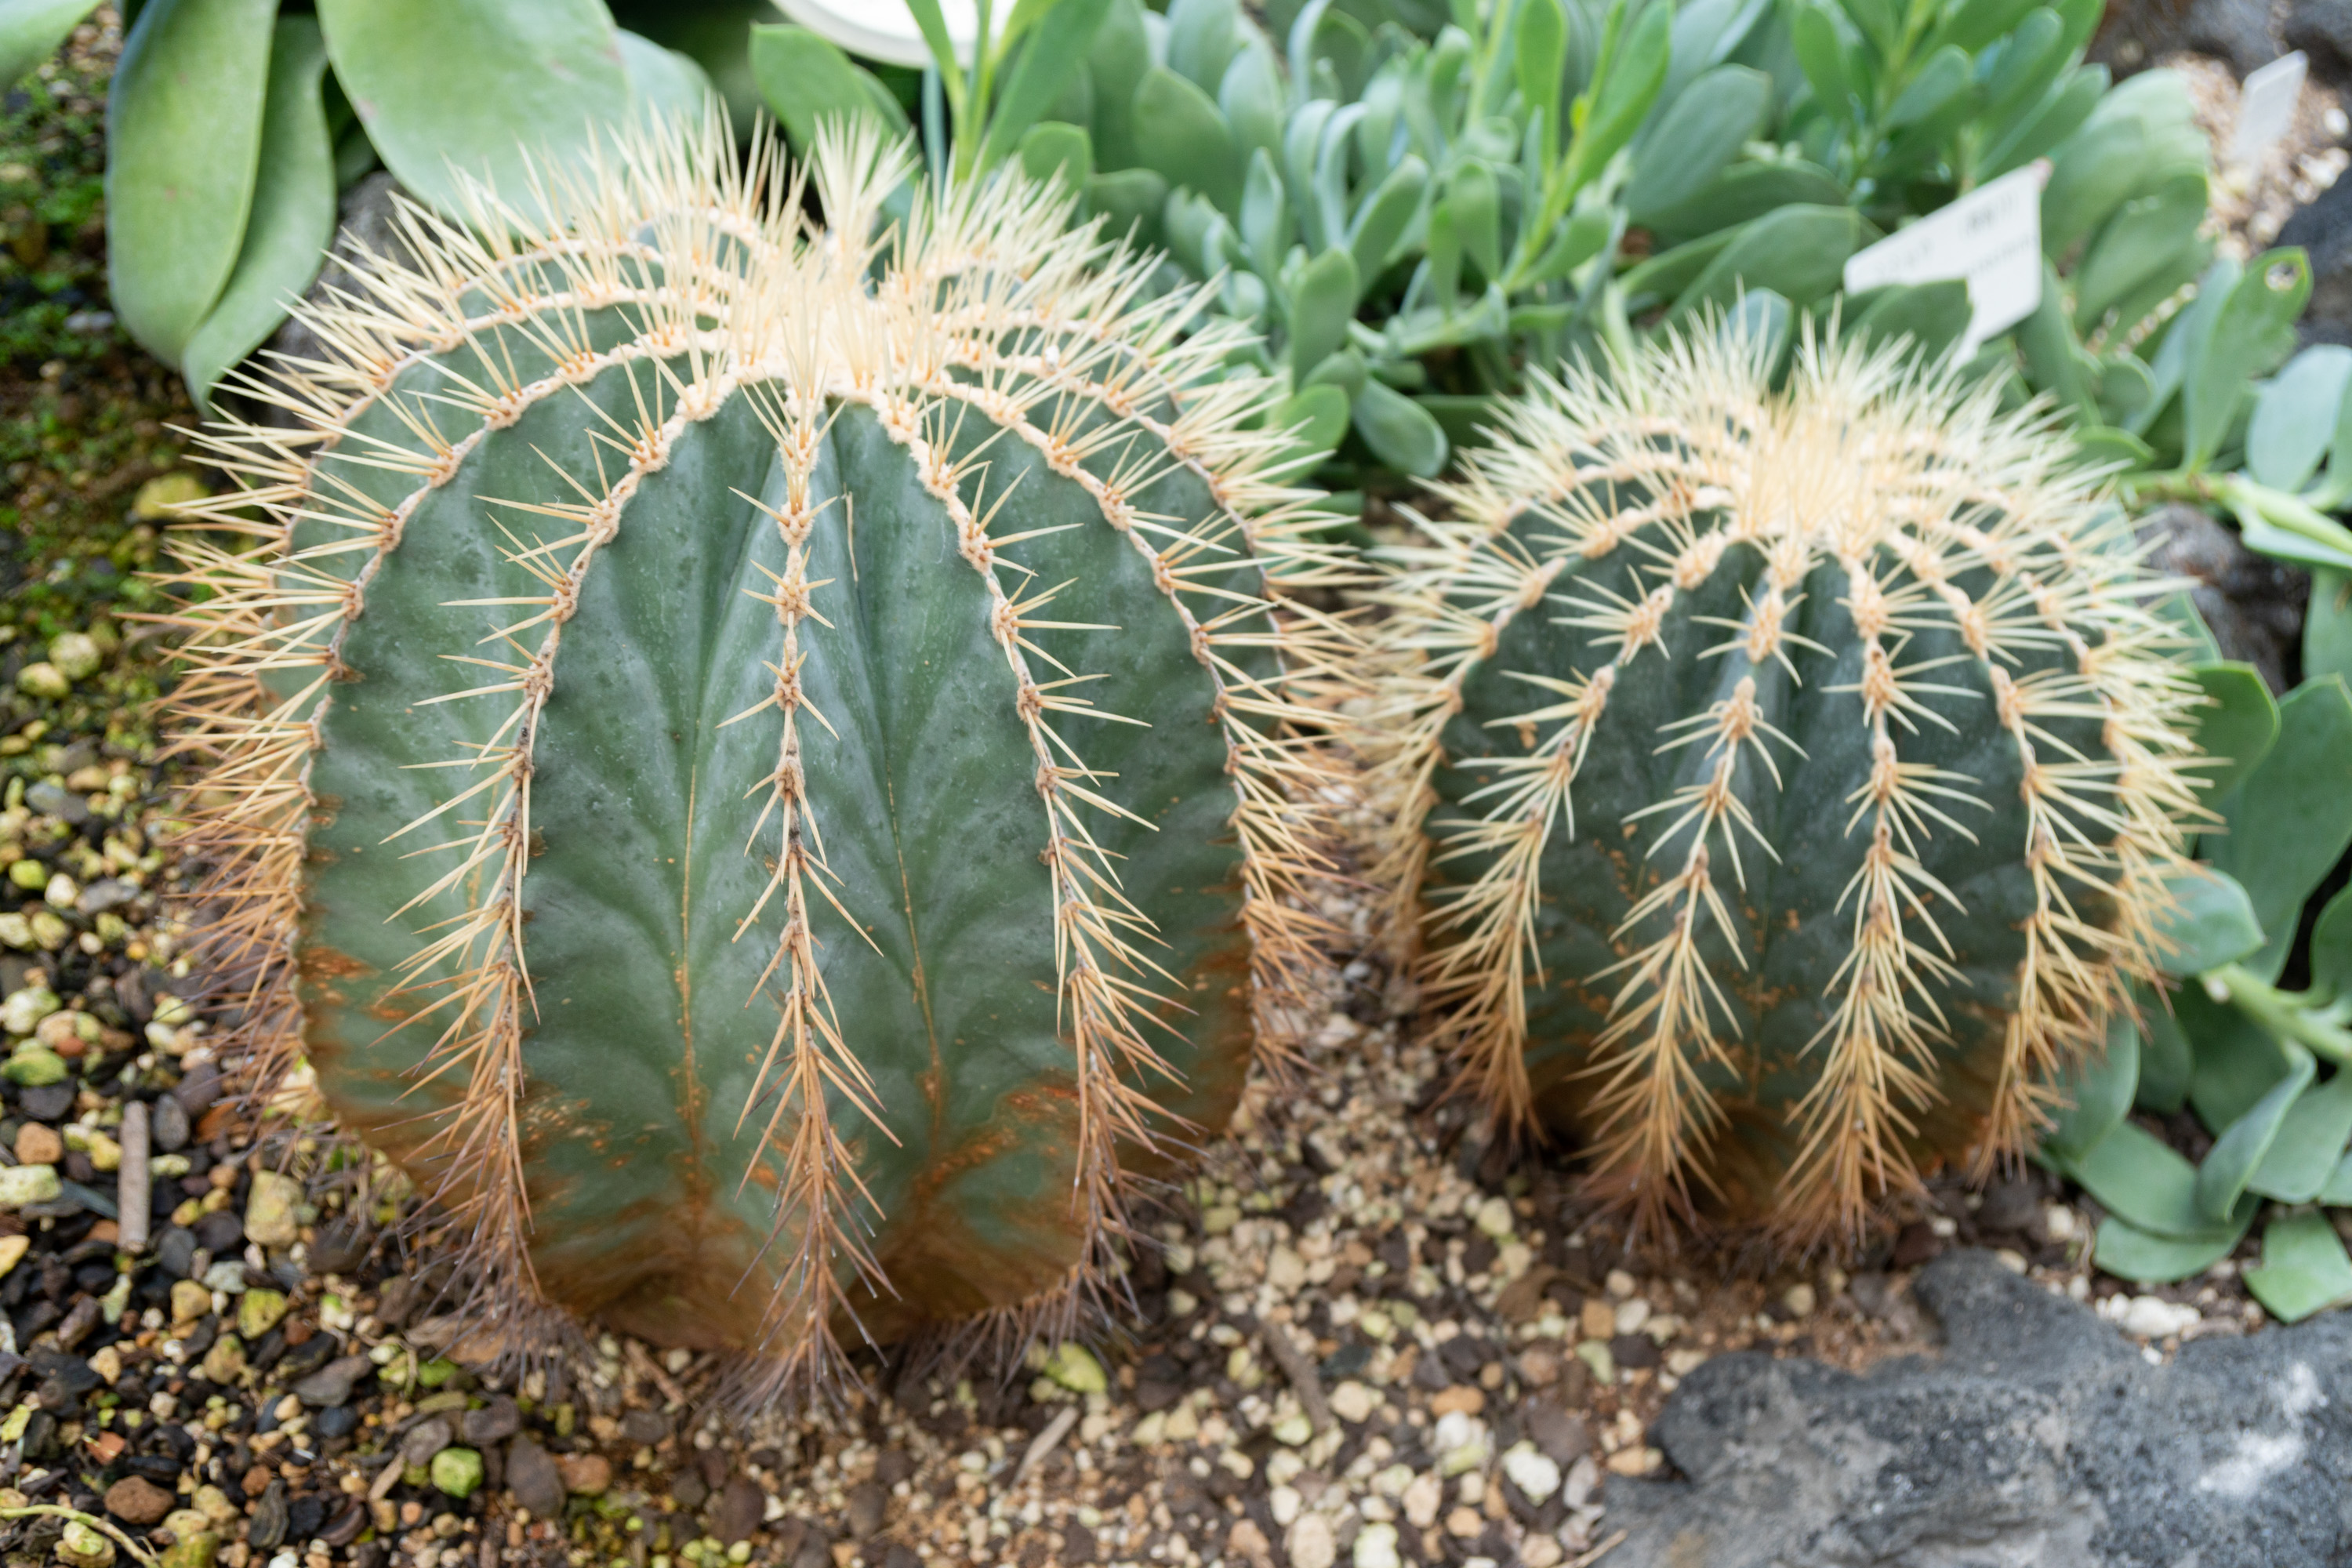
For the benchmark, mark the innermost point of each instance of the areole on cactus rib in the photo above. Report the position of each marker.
(1794, 775)
(761, 768)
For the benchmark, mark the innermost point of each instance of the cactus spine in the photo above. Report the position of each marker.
(1795, 774)
(760, 766)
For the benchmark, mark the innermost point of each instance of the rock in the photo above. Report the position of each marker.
(2253, 604)
(22, 1184)
(1151, 1394)
(1634, 1350)
(2041, 1438)
(586, 1474)
(332, 1384)
(1310, 1543)
(39, 1145)
(742, 1505)
(457, 1471)
(43, 680)
(2154, 1317)
(170, 1124)
(224, 1360)
(2010, 1205)
(495, 1422)
(175, 1253)
(266, 1527)
(1559, 1437)
(1536, 1474)
(221, 1232)
(1376, 1547)
(687, 1490)
(269, 1218)
(198, 1549)
(336, 1421)
(2243, 33)
(426, 1439)
(199, 1089)
(2321, 29)
(645, 1427)
(12, 1252)
(533, 1478)
(35, 1067)
(867, 1504)
(105, 894)
(258, 1311)
(340, 1248)
(135, 1499)
(76, 655)
(1075, 1369)
(46, 1102)
(80, 1546)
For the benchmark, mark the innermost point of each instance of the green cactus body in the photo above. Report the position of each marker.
(774, 783)
(1795, 775)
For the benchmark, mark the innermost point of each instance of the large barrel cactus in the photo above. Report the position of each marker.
(1794, 776)
(759, 763)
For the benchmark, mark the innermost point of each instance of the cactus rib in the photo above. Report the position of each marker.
(675, 315)
(1731, 603)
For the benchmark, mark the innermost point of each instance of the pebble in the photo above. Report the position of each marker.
(742, 1505)
(12, 1252)
(2152, 1317)
(1376, 1547)
(171, 1123)
(22, 1184)
(135, 1499)
(457, 1471)
(258, 1311)
(1495, 1219)
(269, 1217)
(1075, 1369)
(1618, 1284)
(1799, 1300)
(332, 1383)
(501, 1418)
(426, 1439)
(868, 1502)
(1535, 1474)
(533, 1478)
(1309, 1543)
(1353, 1401)
(1629, 1317)
(587, 1474)
(39, 1145)
(1421, 1499)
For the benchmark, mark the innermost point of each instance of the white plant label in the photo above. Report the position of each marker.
(886, 29)
(1992, 238)
(2267, 107)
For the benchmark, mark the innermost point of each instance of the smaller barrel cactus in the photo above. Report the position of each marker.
(760, 763)
(1794, 774)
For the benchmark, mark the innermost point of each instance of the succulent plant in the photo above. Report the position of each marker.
(1797, 777)
(760, 766)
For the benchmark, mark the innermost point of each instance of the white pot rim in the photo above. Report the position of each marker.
(886, 29)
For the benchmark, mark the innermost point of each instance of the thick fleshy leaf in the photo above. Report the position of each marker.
(2331, 947)
(1799, 253)
(293, 216)
(663, 83)
(1050, 57)
(184, 149)
(1695, 138)
(2237, 1061)
(2304, 1268)
(2165, 1061)
(2254, 331)
(1180, 132)
(1321, 306)
(2295, 416)
(445, 87)
(2236, 727)
(2143, 1180)
(2128, 1252)
(805, 79)
(2231, 1164)
(1055, 149)
(31, 30)
(2211, 923)
(2101, 1094)
(1400, 432)
(2310, 1144)
(2290, 820)
(2327, 627)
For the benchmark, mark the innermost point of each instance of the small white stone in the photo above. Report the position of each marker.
(1353, 1401)
(1799, 1300)
(2153, 1318)
(1683, 1363)
(1618, 1284)
(1308, 1541)
(1533, 1473)
(1286, 1270)
(2058, 1222)
(1495, 1219)
(1283, 1503)
(1632, 1315)
(1422, 1499)
(1376, 1547)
